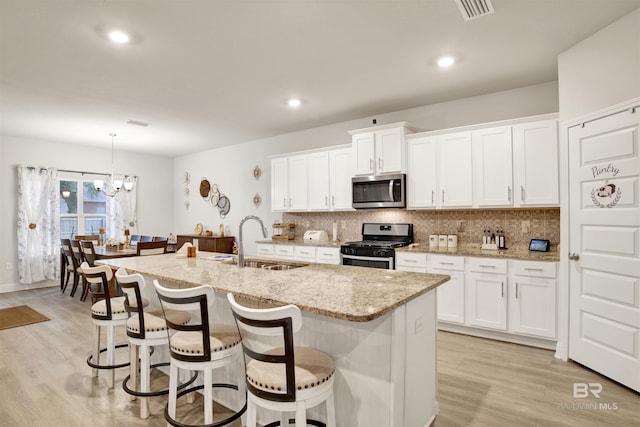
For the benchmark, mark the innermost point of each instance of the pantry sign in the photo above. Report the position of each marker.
(607, 194)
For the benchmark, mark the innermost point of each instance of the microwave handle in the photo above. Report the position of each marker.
(391, 190)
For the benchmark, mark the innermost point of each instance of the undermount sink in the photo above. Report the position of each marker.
(272, 265)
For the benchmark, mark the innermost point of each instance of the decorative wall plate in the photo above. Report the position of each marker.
(214, 194)
(257, 172)
(224, 206)
(205, 188)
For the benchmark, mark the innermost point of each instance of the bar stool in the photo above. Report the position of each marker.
(109, 313)
(146, 331)
(199, 347)
(282, 377)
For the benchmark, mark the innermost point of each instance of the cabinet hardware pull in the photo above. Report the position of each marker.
(533, 269)
(445, 263)
(290, 202)
(370, 164)
(502, 288)
(284, 203)
(410, 260)
(442, 196)
(326, 200)
(522, 194)
(516, 290)
(509, 189)
(484, 265)
(333, 200)
(380, 163)
(433, 193)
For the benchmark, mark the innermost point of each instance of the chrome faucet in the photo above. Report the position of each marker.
(240, 250)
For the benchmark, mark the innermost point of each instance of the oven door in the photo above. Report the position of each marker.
(368, 261)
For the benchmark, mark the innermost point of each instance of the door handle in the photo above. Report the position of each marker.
(574, 256)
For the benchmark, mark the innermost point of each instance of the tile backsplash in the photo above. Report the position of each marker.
(467, 224)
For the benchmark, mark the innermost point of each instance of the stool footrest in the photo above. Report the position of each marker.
(293, 420)
(102, 350)
(220, 423)
(132, 392)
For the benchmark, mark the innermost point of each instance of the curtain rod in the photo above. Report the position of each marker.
(91, 173)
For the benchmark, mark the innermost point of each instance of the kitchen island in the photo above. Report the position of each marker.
(378, 325)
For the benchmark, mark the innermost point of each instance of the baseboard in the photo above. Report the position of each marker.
(14, 287)
(500, 336)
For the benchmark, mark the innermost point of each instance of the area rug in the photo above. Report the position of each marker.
(19, 316)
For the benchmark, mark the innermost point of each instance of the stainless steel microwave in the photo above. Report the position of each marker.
(379, 191)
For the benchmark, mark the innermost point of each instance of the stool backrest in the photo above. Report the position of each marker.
(88, 251)
(191, 300)
(151, 248)
(98, 278)
(267, 336)
(131, 285)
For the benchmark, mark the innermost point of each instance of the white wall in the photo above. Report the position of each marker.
(231, 168)
(155, 198)
(602, 70)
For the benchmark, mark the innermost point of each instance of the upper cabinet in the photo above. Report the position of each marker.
(536, 163)
(455, 170)
(380, 150)
(313, 181)
(492, 152)
(422, 173)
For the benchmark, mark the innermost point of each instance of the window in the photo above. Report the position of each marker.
(83, 209)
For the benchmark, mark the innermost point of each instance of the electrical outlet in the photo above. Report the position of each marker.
(9, 266)
(526, 226)
(419, 325)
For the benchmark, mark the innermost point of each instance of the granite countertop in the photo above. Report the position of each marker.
(301, 242)
(350, 293)
(519, 254)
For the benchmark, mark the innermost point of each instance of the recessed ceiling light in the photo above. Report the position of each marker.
(118, 36)
(446, 61)
(294, 102)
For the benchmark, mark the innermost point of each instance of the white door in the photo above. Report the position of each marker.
(422, 172)
(455, 170)
(493, 166)
(340, 167)
(604, 217)
(318, 181)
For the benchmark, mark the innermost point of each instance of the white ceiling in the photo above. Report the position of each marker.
(211, 73)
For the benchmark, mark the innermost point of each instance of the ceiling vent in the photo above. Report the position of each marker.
(473, 9)
(137, 123)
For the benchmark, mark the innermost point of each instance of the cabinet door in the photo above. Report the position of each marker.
(451, 297)
(298, 191)
(455, 169)
(389, 151)
(304, 253)
(363, 145)
(487, 301)
(536, 163)
(279, 184)
(328, 256)
(422, 173)
(265, 250)
(532, 306)
(340, 173)
(493, 166)
(319, 181)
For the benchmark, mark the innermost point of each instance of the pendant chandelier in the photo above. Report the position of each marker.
(118, 182)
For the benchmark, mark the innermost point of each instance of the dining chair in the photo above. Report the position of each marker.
(95, 237)
(151, 248)
(89, 254)
(76, 253)
(160, 239)
(71, 265)
(135, 238)
(146, 239)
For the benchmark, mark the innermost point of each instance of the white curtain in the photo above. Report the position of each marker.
(38, 224)
(121, 212)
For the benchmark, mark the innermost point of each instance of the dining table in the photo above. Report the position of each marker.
(105, 252)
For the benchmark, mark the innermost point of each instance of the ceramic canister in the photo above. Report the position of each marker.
(442, 241)
(433, 241)
(452, 241)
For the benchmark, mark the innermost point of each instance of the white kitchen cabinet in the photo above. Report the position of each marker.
(283, 252)
(328, 255)
(487, 293)
(380, 150)
(318, 180)
(304, 253)
(450, 296)
(340, 173)
(455, 170)
(536, 163)
(279, 184)
(289, 183)
(422, 173)
(265, 250)
(532, 299)
(493, 171)
(415, 262)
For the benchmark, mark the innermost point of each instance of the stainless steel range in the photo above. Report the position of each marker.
(376, 249)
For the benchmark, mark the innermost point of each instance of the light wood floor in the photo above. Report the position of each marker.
(44, 380)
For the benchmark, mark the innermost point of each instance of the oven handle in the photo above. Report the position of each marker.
(367, 258)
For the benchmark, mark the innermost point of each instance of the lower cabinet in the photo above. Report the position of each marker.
(207, 243)
(513, 298)
(306, 253)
